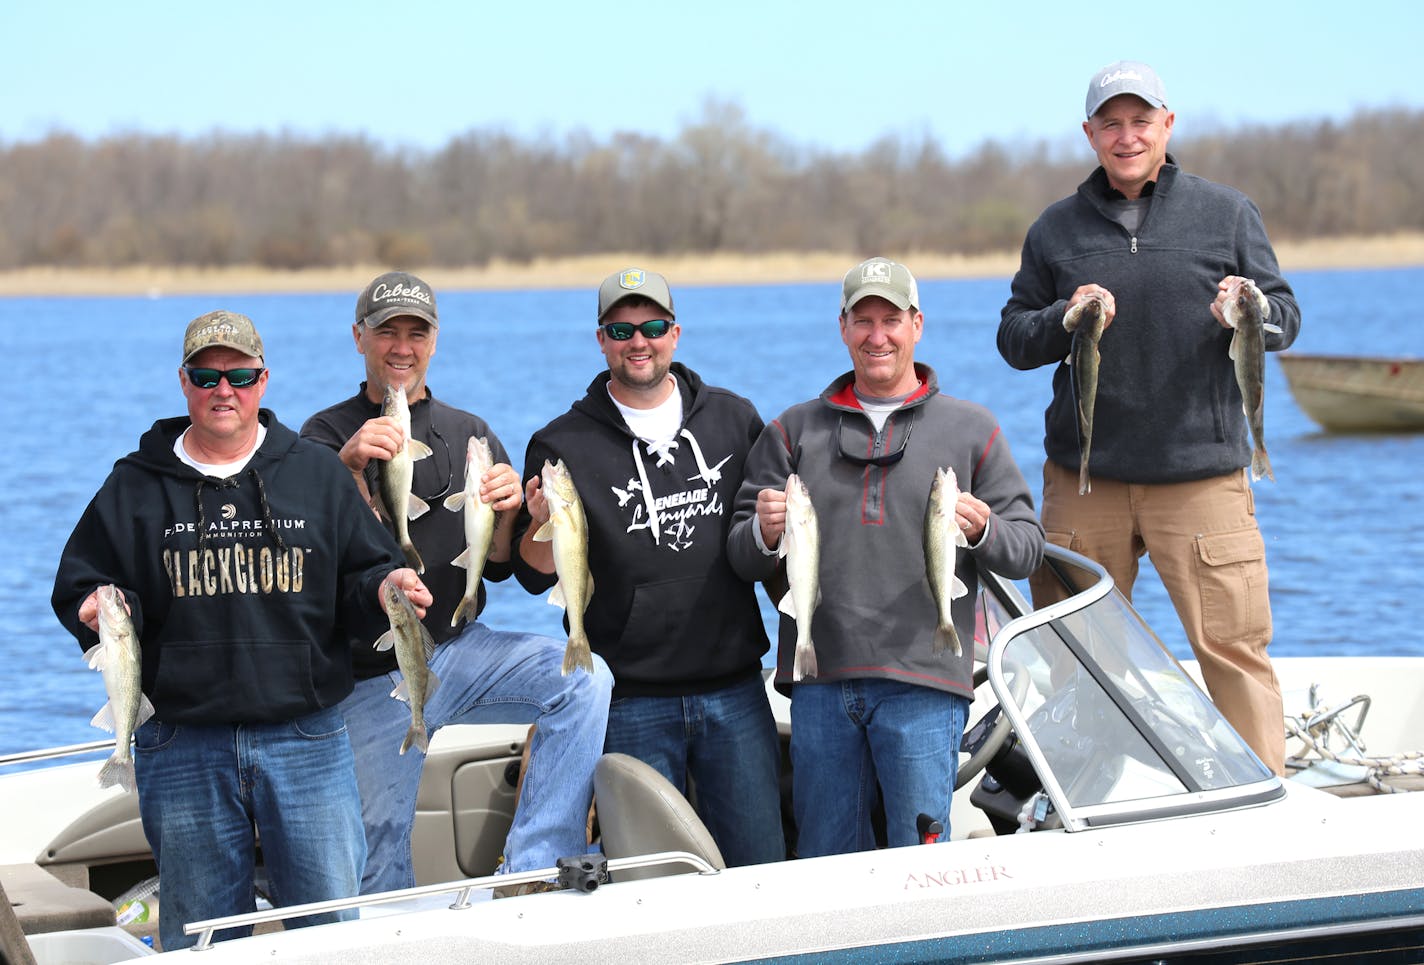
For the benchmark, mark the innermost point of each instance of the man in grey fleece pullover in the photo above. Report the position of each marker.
(1164, 250)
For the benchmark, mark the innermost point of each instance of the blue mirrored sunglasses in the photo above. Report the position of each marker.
(622, 331)
(237, 378)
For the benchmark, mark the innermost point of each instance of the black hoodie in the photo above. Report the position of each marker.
(667, 614)
(244, 591)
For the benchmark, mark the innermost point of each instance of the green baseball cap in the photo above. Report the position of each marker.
(890, 280)
(634, 281)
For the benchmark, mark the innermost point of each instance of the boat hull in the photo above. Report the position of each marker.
(1358, 394)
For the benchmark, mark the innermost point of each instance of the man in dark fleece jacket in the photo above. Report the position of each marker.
(246, 560)
(1164, 250)
(656, 455)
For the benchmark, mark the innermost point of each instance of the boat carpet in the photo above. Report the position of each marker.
(43, 903)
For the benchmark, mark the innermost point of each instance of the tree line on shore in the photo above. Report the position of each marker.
(721, 184)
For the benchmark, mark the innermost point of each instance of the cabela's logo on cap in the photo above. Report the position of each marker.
(632, 278)
(875, 271)
(403, 294)
(1117, 75)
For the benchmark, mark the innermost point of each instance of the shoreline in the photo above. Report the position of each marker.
(586, 271)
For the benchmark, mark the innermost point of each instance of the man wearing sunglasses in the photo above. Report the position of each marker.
(885, 705)
(487, 676)
(656, 455)
(247, 562)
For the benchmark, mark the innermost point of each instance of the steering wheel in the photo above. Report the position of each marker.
(1018, 688)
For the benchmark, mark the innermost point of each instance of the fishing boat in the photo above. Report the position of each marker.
(1348, 393)
(1107, 813)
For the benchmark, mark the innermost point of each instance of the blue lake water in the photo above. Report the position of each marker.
(88, 375)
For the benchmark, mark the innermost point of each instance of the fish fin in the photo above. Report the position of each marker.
(556, 596)
(1272, 327)
(957, 588)
(947, 638)
(544, 533)
(1231, 351)
(427, 643)
(463, 560)
(416, 507)
(455, 501)
(379, 505)
(577, 655)
(401, 691)
(416, 737)
(417, 449)
(94, 657)
(117, 770)
(959, 538)
(1261, 465)
(412, 556)
(431, 682)
(104, 719)
(467, 604)
(385, 641)
(805, 663)
(145, 709)
(787, 605)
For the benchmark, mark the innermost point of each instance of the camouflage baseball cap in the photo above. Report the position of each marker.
(221, 328)
(634, 281)
(394, 294)
(890, 280)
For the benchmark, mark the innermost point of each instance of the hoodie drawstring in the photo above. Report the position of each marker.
(232, 482)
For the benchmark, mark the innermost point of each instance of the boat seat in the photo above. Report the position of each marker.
(43, 903)
(640, 812)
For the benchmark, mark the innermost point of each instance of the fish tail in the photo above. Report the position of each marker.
(578, 655)
(117, 770)
(1261, 464)
(805, 663)
(416, 737)
(946, 638)
(1085, 484)
(467, 605)
(412, 556)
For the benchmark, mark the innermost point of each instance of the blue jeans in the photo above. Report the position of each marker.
(845, 735)
(201, 789)
(726, 741)
(486, 677)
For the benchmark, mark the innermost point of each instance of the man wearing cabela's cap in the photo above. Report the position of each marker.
(1164, 250)
(486, 675)
(247, 563)
(656, 455)
(883, 701)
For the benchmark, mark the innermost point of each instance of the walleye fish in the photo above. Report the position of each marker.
(1247, 311)
(398, 503)
(480, 519)
(1086, 319)
(942, 537)
(568, 529)
(414, 648)
(117, 656)
(801, 548)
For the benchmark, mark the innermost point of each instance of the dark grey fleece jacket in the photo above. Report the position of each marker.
(1168, 408)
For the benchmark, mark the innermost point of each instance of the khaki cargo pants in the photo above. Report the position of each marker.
(1205, 544)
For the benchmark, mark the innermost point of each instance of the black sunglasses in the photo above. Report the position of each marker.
(237, 378)
(883, 460)
(622, 331)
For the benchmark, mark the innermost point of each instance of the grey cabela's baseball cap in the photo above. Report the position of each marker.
(1125, 77)
(634, 281)
(224, 329)
(890, 280)
(394, 294)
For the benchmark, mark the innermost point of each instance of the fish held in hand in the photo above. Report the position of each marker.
(118, 657)
(943, 537)
(480, 519)
(1248, 313)
(414, 647)
(1086, 321)
(801, 548)
(567, 528)
(398, 505)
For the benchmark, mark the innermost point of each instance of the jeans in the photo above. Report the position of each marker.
(726, 741)
(201, 789)
(847, 735)
(486, 677)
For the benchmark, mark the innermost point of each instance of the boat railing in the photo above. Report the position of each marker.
(50, 753)
(460, 889)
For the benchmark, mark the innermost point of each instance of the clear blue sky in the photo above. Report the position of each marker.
(831, 74)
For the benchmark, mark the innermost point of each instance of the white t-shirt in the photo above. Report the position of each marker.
(218, 470)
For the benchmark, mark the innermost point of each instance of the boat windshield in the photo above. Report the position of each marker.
(1115, 728)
